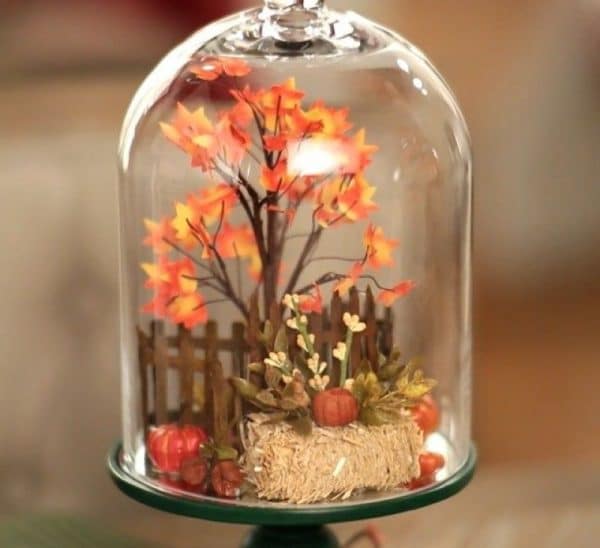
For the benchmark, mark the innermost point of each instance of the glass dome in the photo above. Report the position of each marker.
(295, 205)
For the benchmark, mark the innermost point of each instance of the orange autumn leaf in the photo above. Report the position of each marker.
(235, 241)
(175, 295)
(277, 102)
(233, 141)
(234, 67)
(207, 69)
(190, 229)
(210, 68)
(193, 133)
(157, 277)
(320, 121)
(239, 242)
(159, 234)
(255, 266)
(240, 114)
(279, 179)
(343, 200)
(211, 203)
(355, 154)
(275, 143)
(284, 96)
(170, 278)
(344, 285)
(188, 310)
(181, 223)
(312, 302)
(379, 248)
(388, 296)
(275, 179)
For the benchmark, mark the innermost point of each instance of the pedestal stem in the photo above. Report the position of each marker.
(316, 536)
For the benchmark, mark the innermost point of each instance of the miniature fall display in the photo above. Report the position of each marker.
(295, 268)
(316, 377)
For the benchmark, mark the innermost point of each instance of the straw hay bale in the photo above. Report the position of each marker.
(330, 463)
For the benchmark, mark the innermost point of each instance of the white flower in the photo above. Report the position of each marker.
(296, 323)
(287, 379)
(301, 341)
(314, 365)
(291, 300)
(318, 382)
(348, 384)
(339, 351)
(276, 359)
(353, 322)
(292, 323)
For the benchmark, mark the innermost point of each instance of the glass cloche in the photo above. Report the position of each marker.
(295, 205)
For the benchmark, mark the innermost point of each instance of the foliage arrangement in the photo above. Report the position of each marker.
(270, 158)
(297, 379)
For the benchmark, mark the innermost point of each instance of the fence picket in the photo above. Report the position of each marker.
(186, 375)
(210, 356)
(335, 334)
(161, 365)
(252, 338)
(238, 363)
(386, 332)
(355, 349)
(245, 346)
(144, 360)
(371, 331)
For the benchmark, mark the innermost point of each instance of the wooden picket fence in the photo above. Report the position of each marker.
(189, 354)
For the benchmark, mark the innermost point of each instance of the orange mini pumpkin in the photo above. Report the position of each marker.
(426, 414)
(334, 407)
(169, 445)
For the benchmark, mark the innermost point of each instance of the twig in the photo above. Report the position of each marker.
(332, 258)
(224, 279)
(187, 254)
(238, 268)
(329, 277)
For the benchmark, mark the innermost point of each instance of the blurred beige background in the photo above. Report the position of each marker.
(527, 74)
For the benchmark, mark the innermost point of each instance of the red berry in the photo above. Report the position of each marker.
(334, 407)
(169, 444)
(194, 472)
(421, 481)
(226, 479)
(426, 414)
(430, 463)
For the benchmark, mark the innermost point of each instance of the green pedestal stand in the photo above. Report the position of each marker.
(284, 526)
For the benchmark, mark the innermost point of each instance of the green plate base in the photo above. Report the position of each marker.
(288, 526)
